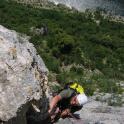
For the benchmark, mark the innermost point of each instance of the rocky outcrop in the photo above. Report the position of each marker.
(23, 78)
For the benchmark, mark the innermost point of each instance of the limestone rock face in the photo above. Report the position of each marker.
(23, 75)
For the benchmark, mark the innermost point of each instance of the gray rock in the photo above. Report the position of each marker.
(64, 121)
(101, 113)
(23, 76)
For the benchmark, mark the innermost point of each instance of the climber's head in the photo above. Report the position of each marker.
(79, 100)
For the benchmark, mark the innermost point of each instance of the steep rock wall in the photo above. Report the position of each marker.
(23, 77)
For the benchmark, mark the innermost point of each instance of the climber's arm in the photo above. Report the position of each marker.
(54, 102)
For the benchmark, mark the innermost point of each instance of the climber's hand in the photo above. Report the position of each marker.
(65, 113)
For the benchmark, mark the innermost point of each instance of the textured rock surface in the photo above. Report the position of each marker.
(23, 75)
(99, 113)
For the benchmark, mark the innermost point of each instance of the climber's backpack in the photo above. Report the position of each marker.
(72, 85)
(75, 86)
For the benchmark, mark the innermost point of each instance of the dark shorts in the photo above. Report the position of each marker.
(75, 108)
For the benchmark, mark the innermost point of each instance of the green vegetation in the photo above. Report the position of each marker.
(75, 44)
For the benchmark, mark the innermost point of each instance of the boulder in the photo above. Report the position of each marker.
(23, 78)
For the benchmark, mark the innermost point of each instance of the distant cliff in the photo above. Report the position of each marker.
(23, 78)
